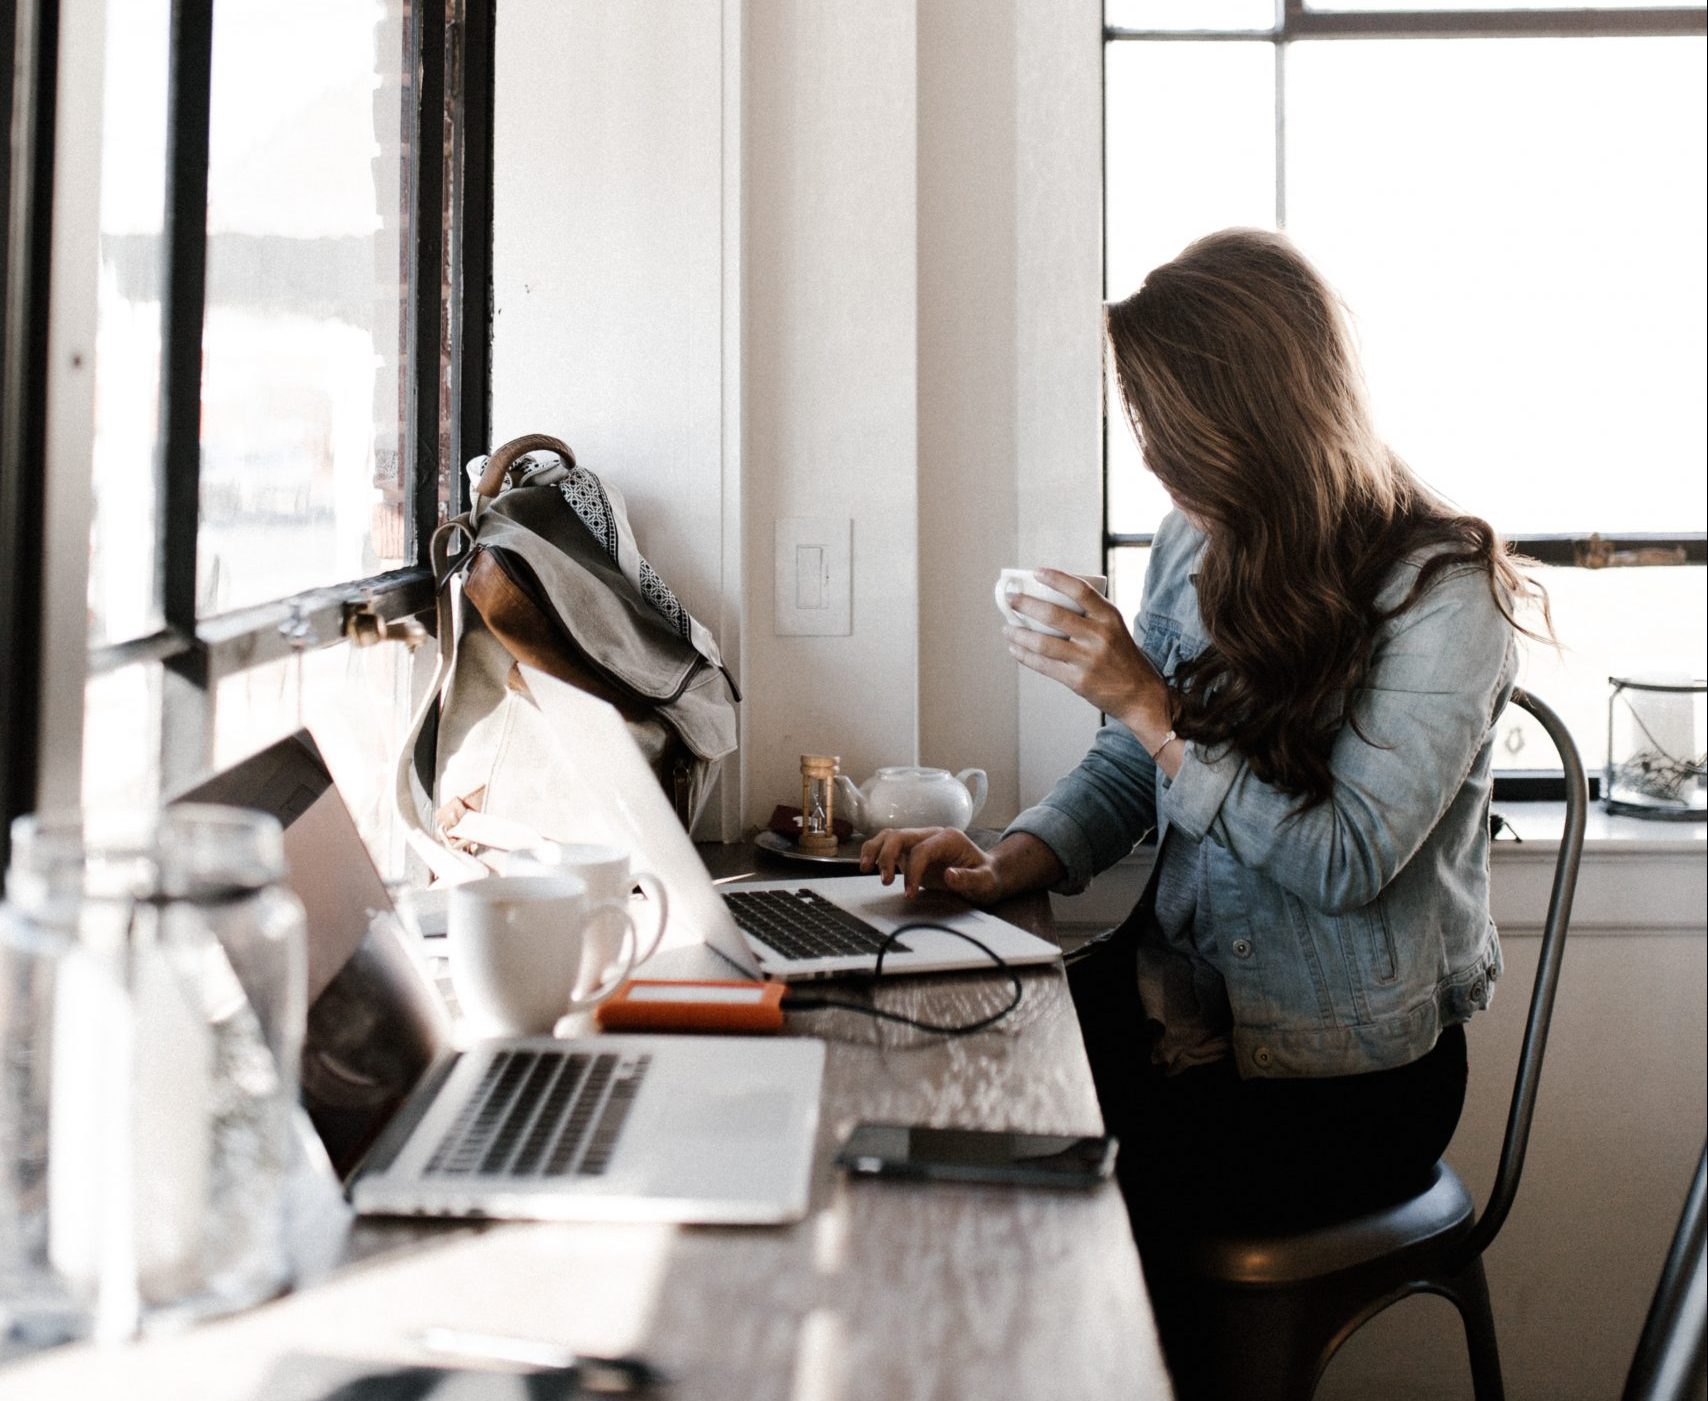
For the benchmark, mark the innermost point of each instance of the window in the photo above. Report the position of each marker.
(1512, 202)
(291, 336)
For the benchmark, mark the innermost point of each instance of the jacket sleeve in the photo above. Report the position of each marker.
(1095, 815)
(1440, 675)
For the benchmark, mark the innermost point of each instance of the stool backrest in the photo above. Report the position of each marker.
(1668, 1362)
(1547, 981)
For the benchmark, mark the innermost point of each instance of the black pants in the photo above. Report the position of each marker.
(1205, 1149)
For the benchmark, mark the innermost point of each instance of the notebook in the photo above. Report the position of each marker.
(633, 1128)
(788, 929)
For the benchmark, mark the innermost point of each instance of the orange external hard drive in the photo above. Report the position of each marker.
(646, 1004)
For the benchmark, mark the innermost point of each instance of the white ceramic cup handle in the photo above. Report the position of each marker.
(620, 908)
(653, 889)
(977, 785)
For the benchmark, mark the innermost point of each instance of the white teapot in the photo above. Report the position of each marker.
(903, 796)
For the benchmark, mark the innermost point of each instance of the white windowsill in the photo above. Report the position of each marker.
(1542, 823)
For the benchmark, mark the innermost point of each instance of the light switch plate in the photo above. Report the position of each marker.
(814, 576)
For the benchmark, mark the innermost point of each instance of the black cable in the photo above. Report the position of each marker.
(1091, 946)
(795, 1002)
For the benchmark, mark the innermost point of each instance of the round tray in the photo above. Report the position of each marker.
(846, 854)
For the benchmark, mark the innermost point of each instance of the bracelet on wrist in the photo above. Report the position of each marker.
(1162, 744)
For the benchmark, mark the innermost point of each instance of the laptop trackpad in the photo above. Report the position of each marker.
(929, 906)
(738, 1114)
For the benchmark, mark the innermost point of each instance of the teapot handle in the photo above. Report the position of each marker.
(978, 785)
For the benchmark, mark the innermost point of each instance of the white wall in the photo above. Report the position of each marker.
(967, 406)
(1010, 283)
(829, 369)
(781, 259)
(609, 280)
(1059, 271)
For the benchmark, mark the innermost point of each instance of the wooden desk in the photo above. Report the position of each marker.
(886, 1291)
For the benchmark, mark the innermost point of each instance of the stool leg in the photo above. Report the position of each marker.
(1469, 1291)
(1252, 1346)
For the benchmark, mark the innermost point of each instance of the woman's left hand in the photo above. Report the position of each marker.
(1097, 660)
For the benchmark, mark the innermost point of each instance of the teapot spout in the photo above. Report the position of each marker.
(850, 802)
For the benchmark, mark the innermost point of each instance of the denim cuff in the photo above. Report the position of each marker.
(1056, 830)
(1199, 789)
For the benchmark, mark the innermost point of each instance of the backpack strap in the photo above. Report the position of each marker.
(411, 796)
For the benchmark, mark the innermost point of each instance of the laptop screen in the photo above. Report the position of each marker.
(375, 1022)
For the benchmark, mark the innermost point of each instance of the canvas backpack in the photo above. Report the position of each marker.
(543, 571)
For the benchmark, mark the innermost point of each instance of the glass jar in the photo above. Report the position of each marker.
(1656, 729)
(177, 1035)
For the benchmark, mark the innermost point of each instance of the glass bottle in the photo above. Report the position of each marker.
(37, 1307)
(176, 1043)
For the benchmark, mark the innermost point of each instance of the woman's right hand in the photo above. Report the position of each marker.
(933, 858)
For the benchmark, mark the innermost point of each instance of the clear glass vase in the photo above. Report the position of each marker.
(176, 1033)
(1657, 726)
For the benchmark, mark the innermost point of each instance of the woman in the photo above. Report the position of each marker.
(1305, 713)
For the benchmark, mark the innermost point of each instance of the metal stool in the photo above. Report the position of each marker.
(1279, 1306)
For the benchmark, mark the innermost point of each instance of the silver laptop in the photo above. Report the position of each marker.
(632, 1128)
(790, 929)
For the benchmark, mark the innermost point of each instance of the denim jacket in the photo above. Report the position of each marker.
(1350, 934)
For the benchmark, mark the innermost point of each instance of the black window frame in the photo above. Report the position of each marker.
(29, 30)
(452, 44)
(1295, 22)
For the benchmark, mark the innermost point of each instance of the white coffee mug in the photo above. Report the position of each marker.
(523, 946)
(1025, 581)
(606, 871)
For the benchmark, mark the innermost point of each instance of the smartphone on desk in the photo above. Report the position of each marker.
(977, 1155)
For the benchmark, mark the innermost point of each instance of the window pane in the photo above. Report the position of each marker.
(121, 738)
(304, 440)
(1519, 228)
(1189, 14)
(355, 700)
(1190, 133)
(123, 601)
(1126, 569)
(1611, 622)
(1137, 501)
(1190, 148)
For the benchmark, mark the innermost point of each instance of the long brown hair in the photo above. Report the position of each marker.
(1236, 369)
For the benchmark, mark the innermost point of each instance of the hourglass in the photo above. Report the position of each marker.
(818, 799)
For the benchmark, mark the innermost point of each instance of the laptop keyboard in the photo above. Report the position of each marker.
(803, 924)
(541, 1114)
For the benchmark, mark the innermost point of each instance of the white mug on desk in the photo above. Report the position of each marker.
(526, 950)
(1012, 582)
(606, 871)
